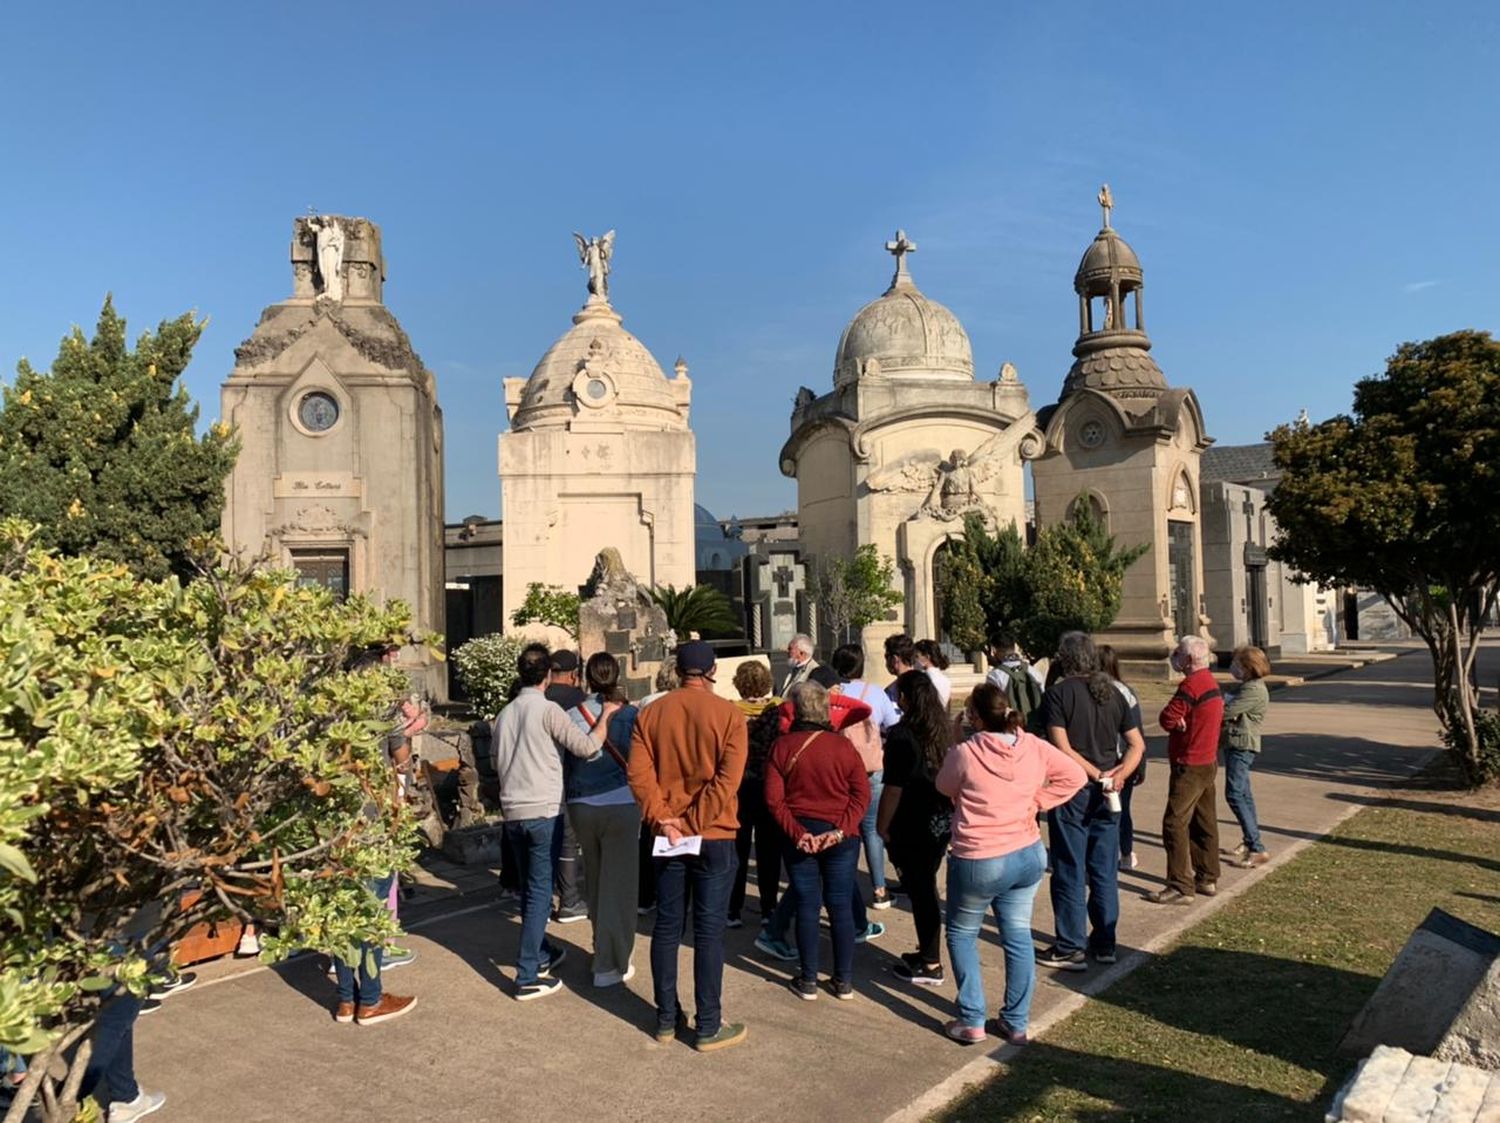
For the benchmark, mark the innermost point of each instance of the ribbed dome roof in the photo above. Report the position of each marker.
(1108, 255)
(600, 368)
(906, 333)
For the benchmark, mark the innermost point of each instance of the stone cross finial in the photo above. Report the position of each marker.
(1107, 202)
(899, 249)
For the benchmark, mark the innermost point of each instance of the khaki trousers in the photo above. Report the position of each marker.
(610, 840)
(1190, 827)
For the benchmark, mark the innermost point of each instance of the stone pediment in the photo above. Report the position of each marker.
(370, 331)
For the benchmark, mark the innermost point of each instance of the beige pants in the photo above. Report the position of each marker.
(609, 838)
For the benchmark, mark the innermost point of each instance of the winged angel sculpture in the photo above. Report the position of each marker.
(952, 485)
(594, 255)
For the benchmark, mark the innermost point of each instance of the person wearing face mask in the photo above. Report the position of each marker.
(1190, 824)
(1244, 710)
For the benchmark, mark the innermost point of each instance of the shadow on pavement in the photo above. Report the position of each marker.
(1335, 759)
(1479, 814)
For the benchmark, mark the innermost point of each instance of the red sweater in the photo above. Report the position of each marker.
(1192, 720)
(823, 780)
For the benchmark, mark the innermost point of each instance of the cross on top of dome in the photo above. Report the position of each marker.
(899, 249)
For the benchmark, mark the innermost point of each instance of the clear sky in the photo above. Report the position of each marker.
(1307, 185)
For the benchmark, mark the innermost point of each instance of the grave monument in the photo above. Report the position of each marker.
(341, 472)
(599, 454)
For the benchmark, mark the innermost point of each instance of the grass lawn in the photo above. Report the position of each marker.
(1240, 1021)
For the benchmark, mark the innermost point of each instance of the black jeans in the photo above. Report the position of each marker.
(917, 858)
(709, 875)
(569, 868)
(757, 826)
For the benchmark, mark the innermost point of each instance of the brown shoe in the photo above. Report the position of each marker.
(390, 1006)
(1170, 896)
(344, 1013)
(1255, 861)
(1208, 888)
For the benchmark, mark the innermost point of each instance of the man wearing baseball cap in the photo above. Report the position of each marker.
(686, 760)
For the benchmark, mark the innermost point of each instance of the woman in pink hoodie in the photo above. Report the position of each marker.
(998, 780)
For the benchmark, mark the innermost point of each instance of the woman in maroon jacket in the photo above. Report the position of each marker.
(817, 792)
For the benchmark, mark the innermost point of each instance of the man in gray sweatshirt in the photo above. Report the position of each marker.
(531, 734)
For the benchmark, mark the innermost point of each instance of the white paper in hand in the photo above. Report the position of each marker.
(688, 844)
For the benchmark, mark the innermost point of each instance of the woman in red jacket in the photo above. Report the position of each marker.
(817, 793)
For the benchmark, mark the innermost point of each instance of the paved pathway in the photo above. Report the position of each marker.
(261, 1046)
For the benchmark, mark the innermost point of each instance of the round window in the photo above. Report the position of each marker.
(318, 411)
(597, 389)
(1092, 434)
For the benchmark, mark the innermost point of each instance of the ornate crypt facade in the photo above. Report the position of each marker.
(340, 476)
(1127, 443)
(599, 453)
(904, 446)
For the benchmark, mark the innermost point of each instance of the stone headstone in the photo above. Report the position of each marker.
(618, 616)
(1441, 996)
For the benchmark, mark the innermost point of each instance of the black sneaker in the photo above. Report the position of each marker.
(805, 989)
(570, 915)
(734, 922)
(1063, 960)
(913, 970)
(841, 989)
(539, 989)
(1105, 956)
(552, 959)
(150, 1006)
(175, 985)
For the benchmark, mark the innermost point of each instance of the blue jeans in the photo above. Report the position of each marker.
(874, 844)
(711, 876)
(1237, 765)
(113, 1057)
(830, 874)
(1007, 884)
(786, 907)
(1085, 837)
(536, 844)
(1127, 824)
(368, 967)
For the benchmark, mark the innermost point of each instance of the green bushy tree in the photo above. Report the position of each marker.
(855, 592)
(486, 667)
(159, 740)
(100, 451)
(551, 605)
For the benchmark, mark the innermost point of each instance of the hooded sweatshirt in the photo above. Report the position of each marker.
(998, 782)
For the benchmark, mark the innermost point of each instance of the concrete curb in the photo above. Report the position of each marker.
(944, 1093)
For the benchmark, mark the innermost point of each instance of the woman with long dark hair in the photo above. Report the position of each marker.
(997, 778)
(914, 818)
(930, 658)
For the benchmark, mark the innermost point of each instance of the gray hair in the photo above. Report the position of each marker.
(1196, 649)
(810, 702)
(802, 642)
(667, 677)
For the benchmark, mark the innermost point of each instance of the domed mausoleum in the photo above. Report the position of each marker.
(1127, 443)
(903, 447)
(599, 453)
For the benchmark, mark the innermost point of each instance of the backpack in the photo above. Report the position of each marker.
(1021, 691)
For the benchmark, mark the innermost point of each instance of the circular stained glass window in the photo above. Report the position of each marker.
(318, 411)
(1092, 434)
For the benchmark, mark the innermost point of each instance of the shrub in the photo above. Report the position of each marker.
(487, 669)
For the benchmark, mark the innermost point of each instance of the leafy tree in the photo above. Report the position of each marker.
(158, 740)
(100, 452)
(1071, 578)
(1399, 497)
(487, 667)
(698, 608)
(962, 583)
(857, 591)
(551, 605)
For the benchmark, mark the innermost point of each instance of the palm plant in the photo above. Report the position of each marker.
(698, 608)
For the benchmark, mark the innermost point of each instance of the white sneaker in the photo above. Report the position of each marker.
(1131, 861)
(140, 1107)
(249, 945)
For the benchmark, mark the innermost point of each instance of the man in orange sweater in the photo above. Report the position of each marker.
(687, 757)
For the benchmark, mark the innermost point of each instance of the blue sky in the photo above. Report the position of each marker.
(1307, 186)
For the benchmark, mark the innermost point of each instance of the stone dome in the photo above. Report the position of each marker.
(599, 370)
(903, 333)
(1108, 257)
(1117, 369)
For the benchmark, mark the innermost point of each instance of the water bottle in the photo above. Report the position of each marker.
(1111, 797)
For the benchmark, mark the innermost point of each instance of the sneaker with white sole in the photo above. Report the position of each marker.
(394, 956)
(128, 1111)
(914, 970)
(540, 989)
(881, 899)
(390, 1007)
(873, 931)
(614, 978)
(776, 949)
(175, 984)
(1063, 960)
(552, 959)
(805, 989)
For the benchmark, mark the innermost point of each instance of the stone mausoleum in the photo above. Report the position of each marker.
(599, 454)
(340, 475)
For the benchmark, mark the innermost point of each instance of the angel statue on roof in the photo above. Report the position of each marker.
(594, 255)
(952, 485)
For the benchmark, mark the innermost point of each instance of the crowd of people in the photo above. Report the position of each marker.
(657, 807)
